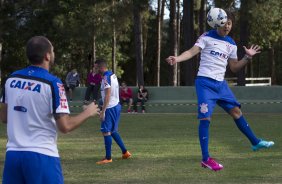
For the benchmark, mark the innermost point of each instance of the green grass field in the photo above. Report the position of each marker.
(165, 149)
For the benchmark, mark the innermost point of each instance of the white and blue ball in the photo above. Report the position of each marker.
(216, 17)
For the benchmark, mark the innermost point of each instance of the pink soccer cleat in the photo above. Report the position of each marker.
(211, 164)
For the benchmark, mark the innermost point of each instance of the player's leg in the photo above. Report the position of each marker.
(108, 149)
(130, 102)
(12, 172)
(41, 169)
(135, 105)
(244, 127)
(205, 108)
(229, 103)
(70, 93)
(95, 92)
(87, 94)
(115, 114)
(206, 102)
(106, 127)
(143, 105)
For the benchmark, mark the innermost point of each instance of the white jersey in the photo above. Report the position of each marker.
(33, 96)
(110, 80)
(216, 50)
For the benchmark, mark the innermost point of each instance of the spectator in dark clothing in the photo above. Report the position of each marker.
(142, 97)
(72, 81)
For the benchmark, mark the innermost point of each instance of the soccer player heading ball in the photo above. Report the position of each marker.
(217, 50)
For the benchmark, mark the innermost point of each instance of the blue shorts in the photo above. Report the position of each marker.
(112, 116)
(31, 167)
(211, 92)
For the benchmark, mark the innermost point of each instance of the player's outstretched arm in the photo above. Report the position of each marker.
(184, 56)
(68, 123)
(236, 65)
(253, 50)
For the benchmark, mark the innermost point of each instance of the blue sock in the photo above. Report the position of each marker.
(204, 138)
(245, 129)
(119, 141)
(108, 146)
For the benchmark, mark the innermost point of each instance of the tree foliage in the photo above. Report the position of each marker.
(74, 26)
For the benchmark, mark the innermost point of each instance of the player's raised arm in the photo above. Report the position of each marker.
(184, 56)
(236, 65)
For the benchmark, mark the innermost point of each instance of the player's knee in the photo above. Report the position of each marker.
(207, 118)
(236, 112)
(106, 133)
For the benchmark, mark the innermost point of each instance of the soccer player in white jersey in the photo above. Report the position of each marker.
(217, 50)
(34, 106)
(110, 113)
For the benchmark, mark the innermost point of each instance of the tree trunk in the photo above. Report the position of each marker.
(114, 40)
(244, 39)
(178, 39)
(190, 67)
(273, 66)
(114, 46)
(202, 17)
(138, 42)
(94, 47)
(159, 37)
(94, 40)
(173, 41)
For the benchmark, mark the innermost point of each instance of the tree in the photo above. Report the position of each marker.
(173, 41)
(160, 16)
(269, 34)
(137, 9)
(189, 40)
(244, 37)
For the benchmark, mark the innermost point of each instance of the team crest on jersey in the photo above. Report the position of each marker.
(204, 108)
(26, 85)
(228, 48)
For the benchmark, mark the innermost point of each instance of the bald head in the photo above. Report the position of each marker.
(36, 49)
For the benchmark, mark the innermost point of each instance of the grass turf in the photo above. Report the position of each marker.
(165, 149)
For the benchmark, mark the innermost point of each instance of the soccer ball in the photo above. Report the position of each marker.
(216, 17)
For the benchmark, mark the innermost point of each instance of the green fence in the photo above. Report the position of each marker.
(167, 99)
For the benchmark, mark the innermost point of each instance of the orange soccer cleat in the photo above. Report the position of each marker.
(126, 155)
(104, 161)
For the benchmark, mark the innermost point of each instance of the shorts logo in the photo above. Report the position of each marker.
(204, 108)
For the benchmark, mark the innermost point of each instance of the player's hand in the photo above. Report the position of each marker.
(253, 50)
(171, 60)
(102, 116)
(92, 109)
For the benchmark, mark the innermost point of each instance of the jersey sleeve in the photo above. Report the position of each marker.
(60, 103)
(201, 42)
(233, 53)
(107, 81)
